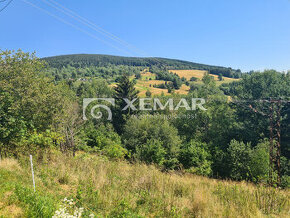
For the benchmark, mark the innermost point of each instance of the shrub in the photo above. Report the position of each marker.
(145, 135)
(195, 157)
(151, 152)
(259, 163)
(285, 166)
(105, 140)
(239, 155)
(193, 79)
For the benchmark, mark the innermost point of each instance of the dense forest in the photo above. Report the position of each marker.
(106, 66)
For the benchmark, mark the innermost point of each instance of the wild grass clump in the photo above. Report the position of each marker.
(36, 204)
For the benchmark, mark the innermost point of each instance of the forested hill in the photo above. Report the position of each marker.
(87, 60)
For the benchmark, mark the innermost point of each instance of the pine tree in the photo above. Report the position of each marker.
(124, 90)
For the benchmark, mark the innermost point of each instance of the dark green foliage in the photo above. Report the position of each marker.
(226, 72)
(195, 157)
(149, 135)
(220, 77)
(175, 81)
(148, 93)
(103, 139)
(194, 86)
(193, 79)
(29, 101)
(285, 165)
(151, 152)
(138, 75)
(84, 66)
(124, 89)
(239, 160)
(259, 163)
(96, 88)
(249, 163)
(249, 92)
(85, 60)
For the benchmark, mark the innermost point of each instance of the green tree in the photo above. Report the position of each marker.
(105, 140)
(259, 163)
(146, 135)
(252, 95)
(30, 102)
(138, 75)
(239, 159)
(124, 90)
(220, 77)
(151, 152)
(195, 157)
(193, 79)
(148, 93)
(177, 82)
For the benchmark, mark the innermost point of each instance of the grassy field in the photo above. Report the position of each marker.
(144, 85)
(118, 189)
(149, 79)
(199, 74)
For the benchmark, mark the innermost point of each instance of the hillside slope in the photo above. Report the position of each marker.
(118, 189)
(83, 60)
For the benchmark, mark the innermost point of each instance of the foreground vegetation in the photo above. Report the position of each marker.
(119, 189)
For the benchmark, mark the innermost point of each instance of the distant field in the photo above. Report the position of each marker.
(199, 74)
(187, 74)
(143, 86)
(148, 76)
(148, 80)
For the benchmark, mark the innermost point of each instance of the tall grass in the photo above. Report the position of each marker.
(118, 189)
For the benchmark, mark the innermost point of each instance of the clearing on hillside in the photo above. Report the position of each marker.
(187, 74)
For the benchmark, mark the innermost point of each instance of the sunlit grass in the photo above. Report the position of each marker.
(119, 189)
(199, 74)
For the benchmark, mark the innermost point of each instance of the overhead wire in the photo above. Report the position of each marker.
(97, 28)
(90, 24)
(74, 26)
(2, 9)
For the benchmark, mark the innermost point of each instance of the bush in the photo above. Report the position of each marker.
(239, 155)
(105, 140)
(151, 152)
(195, 157)
(259, 163)
(285, 166)
(193, 79)
(144, 136)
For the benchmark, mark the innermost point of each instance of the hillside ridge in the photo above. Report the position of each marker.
(100, 59)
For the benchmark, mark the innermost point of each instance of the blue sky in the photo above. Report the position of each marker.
(245, 34)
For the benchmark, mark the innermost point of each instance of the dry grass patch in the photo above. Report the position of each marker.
(120, 189)
(199, 74)
(187, 74)
(143, 86)
(9, 164)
